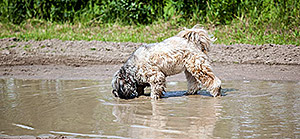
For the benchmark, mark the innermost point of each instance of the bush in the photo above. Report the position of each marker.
(145, 12)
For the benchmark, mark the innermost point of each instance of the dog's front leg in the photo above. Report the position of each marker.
(157, 91)
(158, 85)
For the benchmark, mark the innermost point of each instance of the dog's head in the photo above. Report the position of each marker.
(124, 85)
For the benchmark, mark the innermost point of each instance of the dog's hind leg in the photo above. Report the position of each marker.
(199, 67)
(193, 84)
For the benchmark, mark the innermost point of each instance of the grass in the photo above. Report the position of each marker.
(239, 31)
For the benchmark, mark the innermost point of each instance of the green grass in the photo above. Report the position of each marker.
(239, 31)
(231, 21)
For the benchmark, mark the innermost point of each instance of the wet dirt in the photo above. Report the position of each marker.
(102, 72)
(81, 53)
(57, 52)
(87, 109)
(56, 59)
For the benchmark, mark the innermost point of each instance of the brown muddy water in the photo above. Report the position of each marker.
(87, 109)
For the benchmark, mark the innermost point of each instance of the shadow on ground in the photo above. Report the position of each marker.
(201, 92)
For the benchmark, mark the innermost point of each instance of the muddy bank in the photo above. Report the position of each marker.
(56, 59)
(269, 54)
(81, 53)
(105, 72)
(57, 52)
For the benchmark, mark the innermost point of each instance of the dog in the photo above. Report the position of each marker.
(150, 64)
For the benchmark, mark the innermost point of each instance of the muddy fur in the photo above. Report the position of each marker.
(152, 63)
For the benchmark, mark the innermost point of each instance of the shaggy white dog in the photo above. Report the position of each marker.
(149, 65)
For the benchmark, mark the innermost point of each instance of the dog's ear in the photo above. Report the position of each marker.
(115, 85)
(122, 86)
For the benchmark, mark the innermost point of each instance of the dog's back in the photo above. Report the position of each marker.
(169, 54)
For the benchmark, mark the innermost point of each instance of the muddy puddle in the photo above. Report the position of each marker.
(87, 109)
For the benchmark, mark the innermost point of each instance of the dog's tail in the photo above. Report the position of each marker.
(198, 36)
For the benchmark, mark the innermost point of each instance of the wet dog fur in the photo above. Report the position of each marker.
(150, 64)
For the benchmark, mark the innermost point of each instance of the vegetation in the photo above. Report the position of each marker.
(231, 21)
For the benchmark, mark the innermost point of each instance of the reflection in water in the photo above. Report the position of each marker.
(174, 117)
(250, 109)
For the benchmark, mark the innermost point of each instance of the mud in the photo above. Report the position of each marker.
(103, 72)
(269, 54)
(71, 53)
(56, 59)
(81, 53)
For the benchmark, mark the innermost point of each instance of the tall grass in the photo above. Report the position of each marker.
(242, 21)
(145, 12)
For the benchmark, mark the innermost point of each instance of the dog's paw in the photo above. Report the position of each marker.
(155, 96)
(216, 92)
